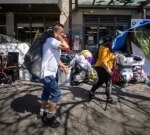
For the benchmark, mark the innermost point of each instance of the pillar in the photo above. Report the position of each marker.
(10, 24)
(144, 13)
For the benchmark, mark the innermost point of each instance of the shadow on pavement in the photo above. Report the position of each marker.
(82, 95)
(67, 112)
(79, 92)
(27, 103)
(132, 100)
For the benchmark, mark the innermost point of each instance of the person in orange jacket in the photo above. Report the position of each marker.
(104, 66)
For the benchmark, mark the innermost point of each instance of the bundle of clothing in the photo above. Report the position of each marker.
(129, 59)
(81, 68)
(127, 74)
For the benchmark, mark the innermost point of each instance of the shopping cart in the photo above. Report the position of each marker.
(9, 71)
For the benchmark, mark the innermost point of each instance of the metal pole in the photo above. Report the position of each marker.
(144, 13)
(70, 23)
(30, 29)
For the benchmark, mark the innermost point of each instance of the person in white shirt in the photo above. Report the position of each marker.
(50, 63)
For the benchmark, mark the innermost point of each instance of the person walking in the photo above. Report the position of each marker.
(104, 66)
(50, 63)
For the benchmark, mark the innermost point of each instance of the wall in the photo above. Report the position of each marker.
(77, 26)
(133, 12)
(10, 24)
(77, 22)
(64, 17)
(148, 12)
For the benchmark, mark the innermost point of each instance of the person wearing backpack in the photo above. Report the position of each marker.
(50, 63)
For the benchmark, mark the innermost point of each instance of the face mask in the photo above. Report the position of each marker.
(100, 41)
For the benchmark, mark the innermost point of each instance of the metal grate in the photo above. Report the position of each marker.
(91, 19)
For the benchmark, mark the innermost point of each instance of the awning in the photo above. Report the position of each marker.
(114, 3)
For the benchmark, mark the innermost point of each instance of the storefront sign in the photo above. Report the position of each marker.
(76, 42)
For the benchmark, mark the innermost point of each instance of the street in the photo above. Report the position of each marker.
(20, 104)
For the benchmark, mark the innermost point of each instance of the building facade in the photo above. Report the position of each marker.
(94, 19)
(23, 18)
(88, 19)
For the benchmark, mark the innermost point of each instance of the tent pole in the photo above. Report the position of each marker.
(144, 13)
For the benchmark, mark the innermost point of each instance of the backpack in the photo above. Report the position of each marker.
(33, 58)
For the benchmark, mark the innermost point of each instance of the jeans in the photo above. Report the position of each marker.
(51, 89)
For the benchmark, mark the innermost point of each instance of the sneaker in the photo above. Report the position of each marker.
(91, 95)
(52, 122)
(111, 101)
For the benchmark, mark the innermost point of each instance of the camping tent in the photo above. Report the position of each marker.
(136, 40)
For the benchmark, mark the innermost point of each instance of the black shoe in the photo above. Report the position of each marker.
(43, 115)
(111, 101)
(52, 122)
(91, 95)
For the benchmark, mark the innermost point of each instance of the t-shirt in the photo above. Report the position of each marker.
(80, 59)
(51, 57)
(105, 55)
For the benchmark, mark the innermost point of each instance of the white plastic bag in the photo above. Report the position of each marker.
(64, 78)
(127, 74)
(24, 75)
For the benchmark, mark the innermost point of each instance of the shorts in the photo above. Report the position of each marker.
(51, 89)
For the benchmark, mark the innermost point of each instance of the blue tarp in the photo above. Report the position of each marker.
(119, 41)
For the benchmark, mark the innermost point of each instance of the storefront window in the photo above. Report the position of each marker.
(3, 24)
(26, 32)
(3, 29)
(96, 27)
(29, 25)
(105, 30)
(91, 38)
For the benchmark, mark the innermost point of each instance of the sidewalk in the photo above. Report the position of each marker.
(20, 104)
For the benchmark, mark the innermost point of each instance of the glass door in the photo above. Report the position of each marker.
(26, 31)
(90, 38)
(105, 30)
(3, 24)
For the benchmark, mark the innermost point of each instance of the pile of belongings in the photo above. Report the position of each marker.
(129, 68)
(129, 60)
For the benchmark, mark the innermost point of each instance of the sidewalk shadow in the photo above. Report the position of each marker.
(79, 92)
(132, 100)
(27, 103)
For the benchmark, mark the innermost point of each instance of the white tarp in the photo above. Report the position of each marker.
(22, 49)
(138, 52)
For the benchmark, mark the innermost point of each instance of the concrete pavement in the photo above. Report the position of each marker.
(20, 103)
